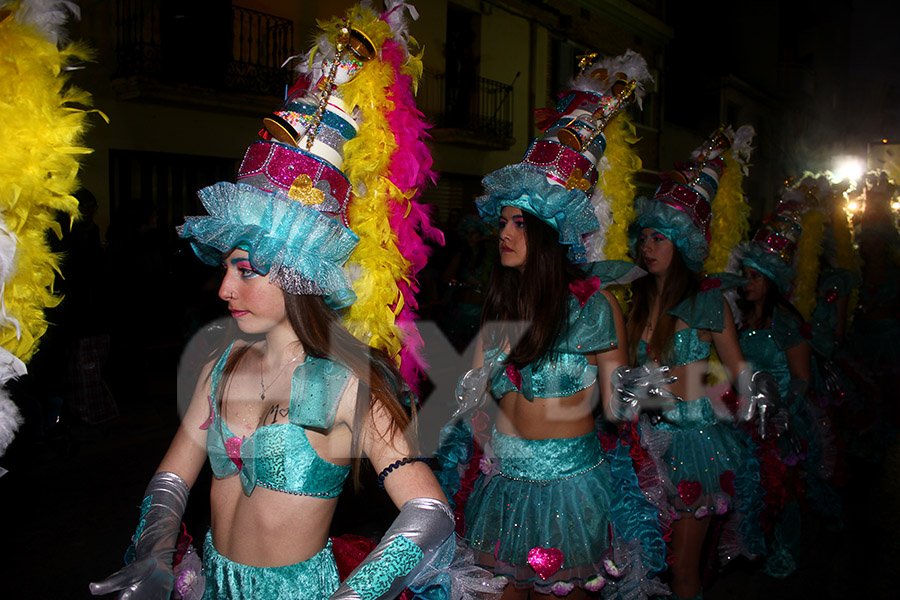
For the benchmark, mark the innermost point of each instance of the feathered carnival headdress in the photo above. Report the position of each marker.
(334, 182)
(878, 212)
(576, 177)
(700, 205)
(839, 250)
(42, 121)
(787, 247)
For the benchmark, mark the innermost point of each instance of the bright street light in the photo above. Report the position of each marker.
(848, 167)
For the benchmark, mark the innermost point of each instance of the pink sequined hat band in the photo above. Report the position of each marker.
(776, 243)
(688, 200)
(297, 174)
(562, 164)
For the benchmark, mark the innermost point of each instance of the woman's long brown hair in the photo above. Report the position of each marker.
(322, 335)
(773, 298)
(680, 283)
(531, 306)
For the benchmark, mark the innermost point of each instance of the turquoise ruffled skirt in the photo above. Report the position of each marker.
(708, 467)
(313, 579)
(702, 456)
(575, 504)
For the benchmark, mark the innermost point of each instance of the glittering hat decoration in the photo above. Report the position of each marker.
(559, 172)
(372, 67)
(682, 207)
(772, 248)
(288, 208)
(302, 155)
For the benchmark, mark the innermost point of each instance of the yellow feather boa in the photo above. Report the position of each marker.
(377, 262)
(845, 256)
(730, 213)
(41, 128)
(618, 185)
(729, 226)
(806, 261)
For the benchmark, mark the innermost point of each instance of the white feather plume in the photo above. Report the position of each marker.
(631, 64)
(740, 145)
(596, 240)
(395, 15)
(48, 16)
(10, 420)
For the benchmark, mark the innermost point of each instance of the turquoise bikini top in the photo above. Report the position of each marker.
(279, 456)
(687, 347)
(703, 310)
(765, 349)
(590, 328)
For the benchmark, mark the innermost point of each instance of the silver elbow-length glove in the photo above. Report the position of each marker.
(759, 398)
(636, 389)
(149, 576)
(414, 537)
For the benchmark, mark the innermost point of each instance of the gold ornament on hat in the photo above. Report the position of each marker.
(577, 181)
(362, 48)
(584, 61)
(302, 190)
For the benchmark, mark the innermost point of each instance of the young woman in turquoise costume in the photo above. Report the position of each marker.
(772, 339)
(289, 404)
(705, 466)
(550, 511)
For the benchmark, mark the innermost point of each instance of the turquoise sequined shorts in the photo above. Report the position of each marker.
(313, 579)
(552, 494)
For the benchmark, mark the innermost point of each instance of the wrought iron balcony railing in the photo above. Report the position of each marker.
(203, 42)
(472, 111)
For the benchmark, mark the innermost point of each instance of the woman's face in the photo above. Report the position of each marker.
(757, 285)
(656, 251)
(255, 303)
(513, 246)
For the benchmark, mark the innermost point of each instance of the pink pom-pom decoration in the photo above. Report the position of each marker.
(562, 588)
(611, 568)
(595, 583)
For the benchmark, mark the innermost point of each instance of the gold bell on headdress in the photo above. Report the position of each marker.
(361, 45)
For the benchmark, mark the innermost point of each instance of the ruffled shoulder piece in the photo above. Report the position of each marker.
(216, 374)
(836, 283)
(613, 272)
(706, 309)
(316, 389)
(787, 329)
(591, 327)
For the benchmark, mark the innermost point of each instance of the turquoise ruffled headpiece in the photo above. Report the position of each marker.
(770, 264)
(681, 208)
(302, 250)
(556, 178)
(526, 187)
(676, 225)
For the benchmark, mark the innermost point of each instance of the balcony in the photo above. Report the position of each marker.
(474, 113)
(204, 52)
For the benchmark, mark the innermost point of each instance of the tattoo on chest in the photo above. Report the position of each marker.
(274, 413)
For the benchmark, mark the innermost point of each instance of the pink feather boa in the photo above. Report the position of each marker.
(409, 170)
